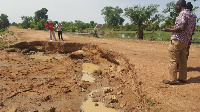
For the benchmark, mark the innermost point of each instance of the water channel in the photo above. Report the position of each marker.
(121, 35)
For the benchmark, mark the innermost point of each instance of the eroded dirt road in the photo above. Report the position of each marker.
(129, 77)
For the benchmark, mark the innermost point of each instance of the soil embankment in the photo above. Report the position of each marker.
(39, 75)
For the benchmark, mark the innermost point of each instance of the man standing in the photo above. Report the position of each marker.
(181, 35)
(59, 29)
(49, 25)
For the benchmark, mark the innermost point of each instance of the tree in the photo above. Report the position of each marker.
(112, 16)
(141, 16)
(127, 27)
(4, 22)
(26, 21)
(40, 19)
(80, 25)
(170, 9)
(92, 24)
(40, 25)
(14, 24)
(41, 14)
(170, 20)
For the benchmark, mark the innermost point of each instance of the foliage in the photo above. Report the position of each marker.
(26, 21)
(112, 16)
(13, 24)
(77, 26)
(37, 22)
(4, 22)
(2, 30)
(5, 43)
(141, 16)
(92, 24)
(154, 23)
(80, 25)
(40, 25)
(150, 102)
(197, 28)
(170, 20)
(41, 14)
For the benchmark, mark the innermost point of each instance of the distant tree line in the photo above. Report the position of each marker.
(39, 20)
(141, 18)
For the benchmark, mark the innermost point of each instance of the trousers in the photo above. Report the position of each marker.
(52, 33)
(177, 54)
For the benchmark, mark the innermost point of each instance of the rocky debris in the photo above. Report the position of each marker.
(66, 90)
(96, 104)
(76, 56)
(107, 90)
(46, 98)
(111, 99)
(84, 84)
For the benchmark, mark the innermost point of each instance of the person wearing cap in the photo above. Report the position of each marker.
(49, 25)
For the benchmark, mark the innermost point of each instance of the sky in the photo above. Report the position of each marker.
(71, 10)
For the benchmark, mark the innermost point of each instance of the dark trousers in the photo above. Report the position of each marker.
(60, 34)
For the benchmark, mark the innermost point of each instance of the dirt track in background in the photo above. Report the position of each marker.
(132, 69)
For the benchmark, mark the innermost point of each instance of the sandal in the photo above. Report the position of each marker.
(169, 82)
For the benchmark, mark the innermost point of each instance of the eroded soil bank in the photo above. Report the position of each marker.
(46, 76)
(136, 88)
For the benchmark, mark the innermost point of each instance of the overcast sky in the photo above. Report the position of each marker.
(71, 10)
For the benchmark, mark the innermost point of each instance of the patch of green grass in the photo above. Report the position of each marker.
(4, 44)
(156, 35)
(124, 32)
(150, 102)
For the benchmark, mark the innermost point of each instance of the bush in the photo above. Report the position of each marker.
(2, 29)
(73, 29)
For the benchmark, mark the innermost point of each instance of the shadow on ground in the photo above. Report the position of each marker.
(194, 80)
(193, 69)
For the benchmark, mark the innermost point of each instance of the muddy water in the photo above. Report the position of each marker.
(90, 106)
(87, 77)
(40, 57)
(88, 69)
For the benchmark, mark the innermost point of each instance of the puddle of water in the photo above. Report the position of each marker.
(87, 71)
(89, 106)
(87, 77)
(79, 51)
(40, 57)
(89, 67)
(57, 58)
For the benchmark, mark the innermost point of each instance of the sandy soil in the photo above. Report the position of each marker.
(129, 77)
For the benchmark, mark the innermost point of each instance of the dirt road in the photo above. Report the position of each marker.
(136, 89)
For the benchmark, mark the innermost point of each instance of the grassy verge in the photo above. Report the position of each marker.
(6, 43)
(156, 35)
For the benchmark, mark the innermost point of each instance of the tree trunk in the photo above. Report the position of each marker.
(140, 33)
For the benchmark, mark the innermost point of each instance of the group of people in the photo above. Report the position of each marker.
(49, 25)
(181, 38)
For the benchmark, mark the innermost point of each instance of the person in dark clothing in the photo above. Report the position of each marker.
(59, 29)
